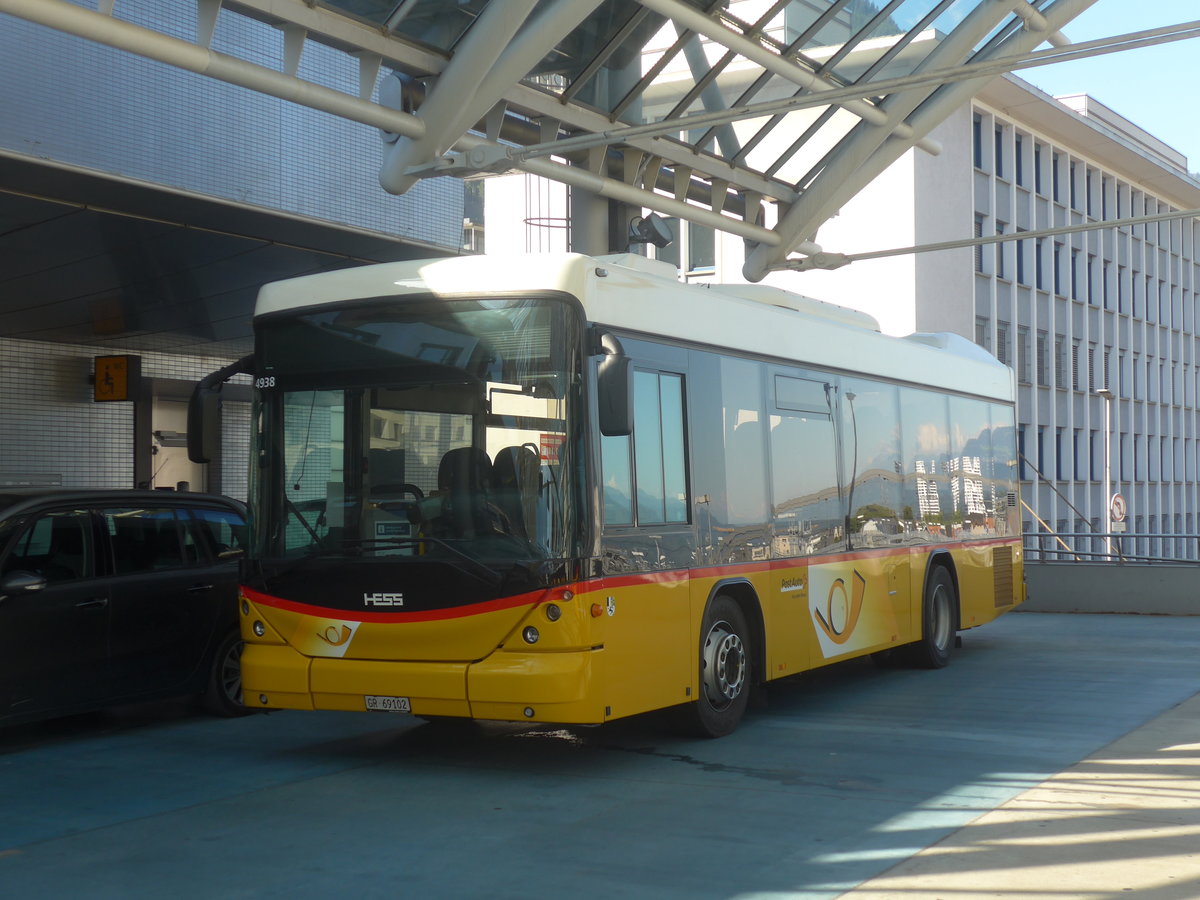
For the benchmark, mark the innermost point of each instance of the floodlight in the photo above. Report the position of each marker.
(650, 229)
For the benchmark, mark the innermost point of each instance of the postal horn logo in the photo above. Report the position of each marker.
(841, 610)
(333, 637)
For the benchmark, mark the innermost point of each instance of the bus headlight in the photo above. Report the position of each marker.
(530, 634)
(553, 612)
(259, 628)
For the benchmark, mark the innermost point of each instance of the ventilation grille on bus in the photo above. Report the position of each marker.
(1002, 575)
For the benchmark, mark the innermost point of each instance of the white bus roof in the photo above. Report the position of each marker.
(633, 293)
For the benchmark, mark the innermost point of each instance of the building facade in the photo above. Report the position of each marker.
(140, 208)
(1108, 309)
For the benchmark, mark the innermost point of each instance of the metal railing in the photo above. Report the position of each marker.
(1142, 548)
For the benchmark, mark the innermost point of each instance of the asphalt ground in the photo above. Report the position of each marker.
(1057, 756)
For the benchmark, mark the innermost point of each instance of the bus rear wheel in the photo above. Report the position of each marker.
(939, 621)
(725, 670)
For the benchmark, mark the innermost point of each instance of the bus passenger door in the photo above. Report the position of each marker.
(808, 515)
(879, 522)
(648, 549)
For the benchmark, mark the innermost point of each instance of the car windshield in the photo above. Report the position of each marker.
(417, 428)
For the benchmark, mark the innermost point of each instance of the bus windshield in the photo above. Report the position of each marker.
(420, 428)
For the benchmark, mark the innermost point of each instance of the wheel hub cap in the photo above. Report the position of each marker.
(724, 665)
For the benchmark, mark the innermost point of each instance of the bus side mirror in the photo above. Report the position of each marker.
(204, 415)
(204, 411)
(614, 390)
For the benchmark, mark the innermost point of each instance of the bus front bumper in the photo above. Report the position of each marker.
(555, 686)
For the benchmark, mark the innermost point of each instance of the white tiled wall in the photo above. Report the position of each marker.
(53, 432)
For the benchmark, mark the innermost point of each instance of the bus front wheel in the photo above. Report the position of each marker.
(938, 621)
(725, 669)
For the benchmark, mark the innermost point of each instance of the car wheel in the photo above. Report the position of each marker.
(224, 694)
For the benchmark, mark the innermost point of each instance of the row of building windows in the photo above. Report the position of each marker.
(1149, 378)
(1071, 182)
(1080, 275)
(1078, 455)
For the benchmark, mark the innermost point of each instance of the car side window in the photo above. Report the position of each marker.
(57, 546)
(223, 529)
(145, 540)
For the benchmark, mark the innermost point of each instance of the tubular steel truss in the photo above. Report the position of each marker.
(759, 118)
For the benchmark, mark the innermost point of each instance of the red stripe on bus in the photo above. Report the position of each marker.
(432, 615)
(795, 562)
(607, 583)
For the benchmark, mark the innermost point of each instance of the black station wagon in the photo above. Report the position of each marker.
(117, 597)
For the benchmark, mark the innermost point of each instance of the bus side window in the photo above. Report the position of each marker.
(971, 468)
(809, 515)
(806, 496)
(651, 464)
(617, 480)
(926, 448)
(872, 464)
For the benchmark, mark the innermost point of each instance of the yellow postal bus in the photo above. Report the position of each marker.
(571, 489)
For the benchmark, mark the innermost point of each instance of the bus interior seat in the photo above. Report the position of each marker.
(465, 480)
(517, 476)
(385, 466)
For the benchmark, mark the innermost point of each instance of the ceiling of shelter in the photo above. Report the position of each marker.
(760, 118)
(86, 259)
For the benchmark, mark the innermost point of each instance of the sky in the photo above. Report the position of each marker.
(1153, 87)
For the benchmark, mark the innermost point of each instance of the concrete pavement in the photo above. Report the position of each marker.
(1007, 774)
(1123, 822)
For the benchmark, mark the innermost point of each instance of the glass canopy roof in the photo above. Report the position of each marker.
(713, 110)
(760, 118)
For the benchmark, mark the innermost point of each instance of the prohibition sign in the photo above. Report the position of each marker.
(1117, 508)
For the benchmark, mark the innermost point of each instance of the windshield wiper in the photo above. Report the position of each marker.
(475, 568)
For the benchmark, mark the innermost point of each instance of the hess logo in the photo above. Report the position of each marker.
(383, 599)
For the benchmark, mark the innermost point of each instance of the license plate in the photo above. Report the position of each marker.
(388, 704)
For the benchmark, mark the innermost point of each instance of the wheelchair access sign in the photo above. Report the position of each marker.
(116, 378)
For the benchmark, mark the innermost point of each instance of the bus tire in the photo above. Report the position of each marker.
(725, 670)
(939, 623)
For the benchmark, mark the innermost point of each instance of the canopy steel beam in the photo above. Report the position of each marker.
(486, 153)
(1035, 21)
(482, 83)
(697, 21)
(925, 78)
(350, 36)
(825, 260)
(90, 25)
(867, 151)
(445, 101)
